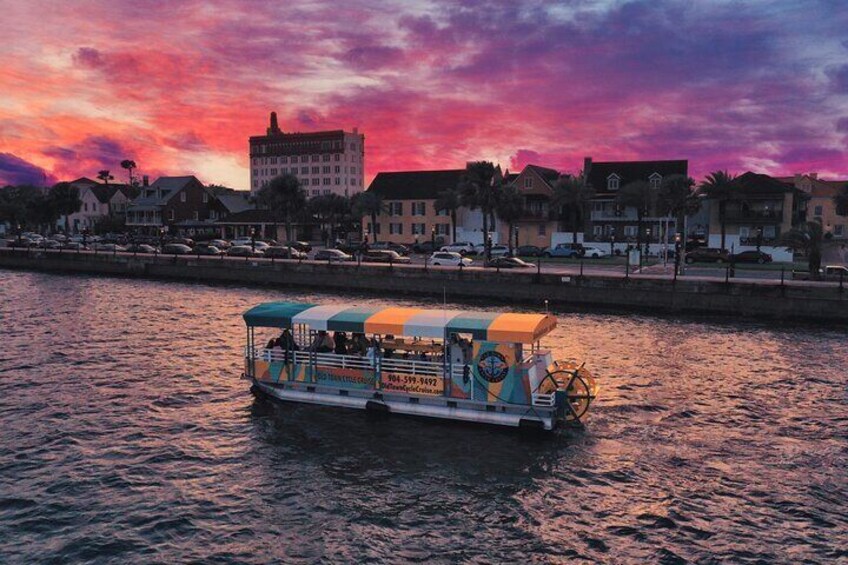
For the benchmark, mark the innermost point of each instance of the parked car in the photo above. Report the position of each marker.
(181, 241)
(398, 248)
(247, 242)
(495, 251)
(752, 257)
(244, 251)
(564, 250)
(176, 249)
(708, 255)
(219, 243)
(593, 252)
(507, 263)
(301, 246)
(350, 247)
(451, 258)
(332, 255)
(49, 244)
(826, 273)
(425, 247)
(74, 246)
(201, 249)
(140, 248)
(384, 256)
(283, 253)
(461, 247)
(109, 247)
(529, 251)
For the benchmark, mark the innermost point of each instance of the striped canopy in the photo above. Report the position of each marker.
(415, 322)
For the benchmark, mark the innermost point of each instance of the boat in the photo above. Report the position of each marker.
(485, 367)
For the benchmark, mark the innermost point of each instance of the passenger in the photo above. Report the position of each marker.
(323, 343)
(286, 341)
(456, 354)
(272, 343)
(373, 351)
(341, 343)
(360, 344)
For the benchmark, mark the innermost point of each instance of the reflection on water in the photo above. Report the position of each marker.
(127, 434)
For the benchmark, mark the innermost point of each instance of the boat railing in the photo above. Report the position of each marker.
(409, 366)
(413, 366)
(542, 399)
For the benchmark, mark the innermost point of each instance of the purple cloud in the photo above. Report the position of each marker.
(17, 171)
(88, 57)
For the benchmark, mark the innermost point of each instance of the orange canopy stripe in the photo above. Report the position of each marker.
(390, 320)
(520, 328)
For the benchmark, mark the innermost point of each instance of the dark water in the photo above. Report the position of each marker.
(126, 436)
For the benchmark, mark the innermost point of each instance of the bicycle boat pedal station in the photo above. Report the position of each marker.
(484, 367)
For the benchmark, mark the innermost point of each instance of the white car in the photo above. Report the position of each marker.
(496, 251)
(247, 241)
(461, 247)
(449, 258)
(593, 252)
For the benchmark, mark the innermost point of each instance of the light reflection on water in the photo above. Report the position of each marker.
(127, 434)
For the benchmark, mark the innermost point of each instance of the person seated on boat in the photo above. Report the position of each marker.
(373, 350)
(286, 341)
(359, 344)
(341, 343)
(323, 343)
(272, 343)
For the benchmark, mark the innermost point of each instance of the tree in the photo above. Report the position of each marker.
(329, 209)
(573, 194)
(510, 208)
(676, 198)
(66, 200)
(105, 176)
(718, 186)
(285, 198)
(807, 238)
(638, 195)
(129, 165)
(480, 188)
(368, 204)
(449, 200)
(15, 204)
(840, 199)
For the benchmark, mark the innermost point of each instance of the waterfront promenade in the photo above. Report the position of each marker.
(562, 286)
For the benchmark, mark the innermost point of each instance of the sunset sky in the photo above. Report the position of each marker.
(179, 86)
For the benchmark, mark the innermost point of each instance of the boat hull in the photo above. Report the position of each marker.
(410, 405)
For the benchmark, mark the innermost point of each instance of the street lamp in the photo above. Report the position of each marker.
(253, 240)
(515, 229)
(612, 242)
(433, 237)
(759, 238)
(647, 241)
(18, 231)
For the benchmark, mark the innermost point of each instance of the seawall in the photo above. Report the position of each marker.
(763, 299)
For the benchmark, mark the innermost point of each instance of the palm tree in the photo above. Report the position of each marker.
(449, 200)
(840, 199)
(510, 208)
(368, 204)
(480, 188)
(718, 186)
(676, 198)
(105, 176)
(329, 209)
(129, 165)
(285, 198)
(638, 195)
(66, 200)
(807, 238)
(574, 194)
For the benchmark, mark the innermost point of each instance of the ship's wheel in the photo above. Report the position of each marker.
(577, 383)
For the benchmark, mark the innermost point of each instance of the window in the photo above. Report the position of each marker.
(418, 208)
(838, 230)
(528, 182)
(419, 229)
(182, 196)
(284, 159)
(630, 231)
(315, 158)
(255, 161)
(744, 232)
(337, 156)
(338, 180)
(818, 211)
(255, 172)
(395, 208)
(769, 232)
(337, 169)
(316, 192)
(327, 191)
(171, 214)
(543, 229)
(325, 180)
(397, 229)
(612, 182)
(442, 229)
(597, 230)
(205, 198)
(655, 180)
(315, 182)
(442, 212)
(316, 170)
(273, 160)
(597, 206)
(256, 184)
(326, 157)
(196, 215)
(304, 170)
(325, 169)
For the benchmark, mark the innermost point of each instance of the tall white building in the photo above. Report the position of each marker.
(325, 162)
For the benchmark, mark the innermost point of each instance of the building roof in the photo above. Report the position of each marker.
(629, 171)
(236, 201)
(174, 183)
(105, 192)
(83, 180)
(550, 176)
(755, 183)
(415, 185)
(252, 217)
(169, 186)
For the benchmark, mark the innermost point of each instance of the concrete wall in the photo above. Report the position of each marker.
(818, 302)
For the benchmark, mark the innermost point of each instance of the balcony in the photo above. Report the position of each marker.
(769, 216)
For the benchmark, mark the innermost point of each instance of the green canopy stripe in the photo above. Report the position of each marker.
(274, 314)
(352, 319)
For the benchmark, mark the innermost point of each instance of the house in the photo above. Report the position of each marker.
(538, 222)
(758, 212)
(821, 206)
(608, 219)
(177, 205)
(409, 213)
(98, 201)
